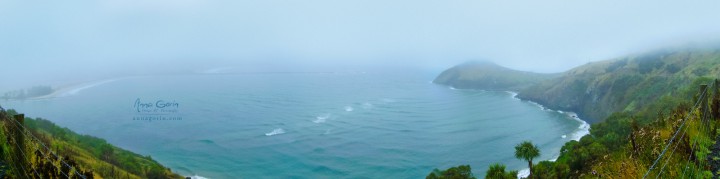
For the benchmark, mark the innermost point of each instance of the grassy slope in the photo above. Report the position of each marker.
(90, 153)
(488, 76)
(626, 144)
(642, 100)
(598, 89)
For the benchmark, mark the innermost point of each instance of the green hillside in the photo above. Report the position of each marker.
(651, 117)
(88, 156)
(488, 76)
(598, 89)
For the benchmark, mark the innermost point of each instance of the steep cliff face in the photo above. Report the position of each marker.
(598, 89)
(488, 76)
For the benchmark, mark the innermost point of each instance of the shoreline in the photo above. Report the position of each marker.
(73, 88)
(582, 130)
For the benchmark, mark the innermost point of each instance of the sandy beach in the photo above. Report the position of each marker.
(71, 89)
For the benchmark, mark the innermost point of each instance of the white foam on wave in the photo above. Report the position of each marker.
(275, 132)
(319, 120)
(513, 95)
(198, 177)
(542, 108)
(582, 130)
(348, 108)
(523, 173)
(322, 118)
(367, 105)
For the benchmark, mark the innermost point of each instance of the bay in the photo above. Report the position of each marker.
(307, 125)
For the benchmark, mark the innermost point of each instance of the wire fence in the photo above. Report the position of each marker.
(21, 138)
(704, 123)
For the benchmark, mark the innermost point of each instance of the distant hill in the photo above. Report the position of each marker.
(630, 83)
(595, 90)
(28, 93)
(489, 76)
(637, 105)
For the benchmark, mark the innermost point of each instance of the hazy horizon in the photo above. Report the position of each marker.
(359, 88)
(70, 41)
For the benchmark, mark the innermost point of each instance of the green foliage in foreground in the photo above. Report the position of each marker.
(459, 172)
(497, 171)
(527, 151)
(625, 145)
(640, 102)
(91, 154)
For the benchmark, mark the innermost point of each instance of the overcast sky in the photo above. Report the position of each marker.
(50, 40)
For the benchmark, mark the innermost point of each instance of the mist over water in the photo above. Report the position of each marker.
(319, 88)
(314, 125)
(55, 43)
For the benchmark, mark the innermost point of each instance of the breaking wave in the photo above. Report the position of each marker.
(275, 132)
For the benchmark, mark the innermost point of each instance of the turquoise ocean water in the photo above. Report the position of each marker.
(307, 125)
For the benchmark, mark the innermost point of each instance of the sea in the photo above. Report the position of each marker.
(307, 124)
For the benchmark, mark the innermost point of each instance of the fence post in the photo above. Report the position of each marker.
(19, 138)
(20, 118)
